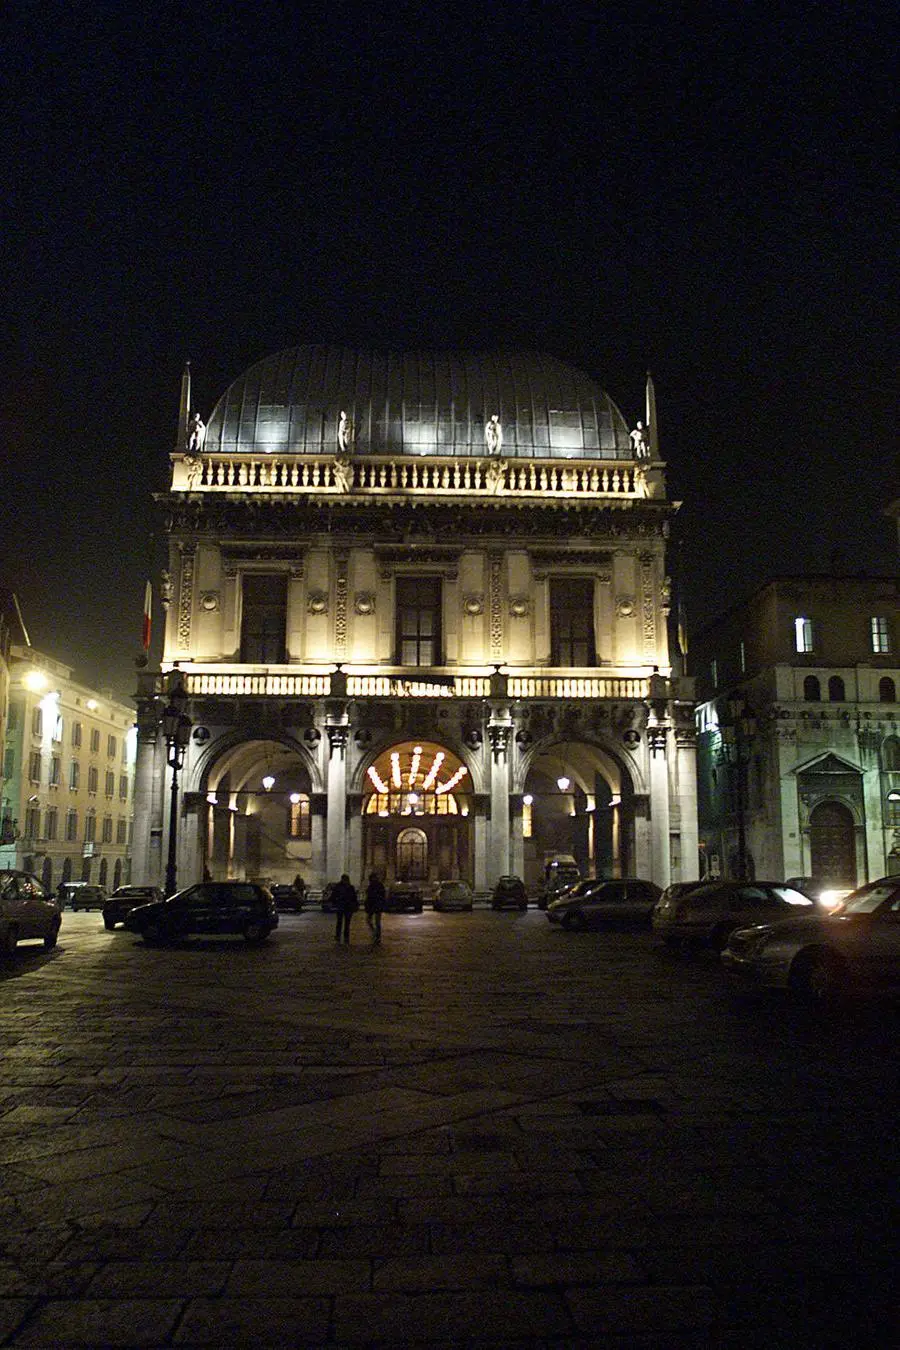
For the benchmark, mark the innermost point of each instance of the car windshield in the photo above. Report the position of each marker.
(868, 898)
(791, 896)
(454, 889)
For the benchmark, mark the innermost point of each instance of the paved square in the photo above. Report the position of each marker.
(483, 1132)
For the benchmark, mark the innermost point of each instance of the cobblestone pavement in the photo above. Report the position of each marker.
(485, 1132)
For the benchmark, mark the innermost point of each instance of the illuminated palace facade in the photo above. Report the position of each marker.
(417, 606)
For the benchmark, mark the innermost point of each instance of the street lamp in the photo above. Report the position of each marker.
(176, 727)
(737, 730)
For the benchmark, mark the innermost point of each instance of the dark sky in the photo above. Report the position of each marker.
(707, 189)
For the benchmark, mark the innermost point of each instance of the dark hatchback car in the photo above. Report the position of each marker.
(404, 897)
(209, 908)
(125, 899)
(624, 901)
(509, 893)
(287, 897)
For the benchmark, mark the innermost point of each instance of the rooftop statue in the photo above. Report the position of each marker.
(494, 474)
(196, 434)
(639, 442)
(346, 434)
(493, 435)
(344, 473)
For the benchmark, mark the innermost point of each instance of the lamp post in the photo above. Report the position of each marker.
(176, 727)
(737, 729)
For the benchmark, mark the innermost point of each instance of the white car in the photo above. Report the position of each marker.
(27, 910)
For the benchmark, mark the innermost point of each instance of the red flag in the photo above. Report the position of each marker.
(148, 607)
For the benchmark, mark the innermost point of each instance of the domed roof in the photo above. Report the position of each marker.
(418, 403)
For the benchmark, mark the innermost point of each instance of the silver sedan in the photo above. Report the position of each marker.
(821, 956)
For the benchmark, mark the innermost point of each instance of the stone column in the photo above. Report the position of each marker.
(498, 860)
(336, 819)
(660, 864)
(686, 753)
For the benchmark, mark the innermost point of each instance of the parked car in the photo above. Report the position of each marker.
(27, 910)
(124, 899)
(287, 897)
(404, 897)
(821, 956)
(327, 892)
(210, 907)
(560, 873)
(448, 895)
(626, 900)
(710, 912)
(81, 895)
(509, 893)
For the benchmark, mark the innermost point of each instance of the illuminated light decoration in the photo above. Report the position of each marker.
(563, 783)
(527, 799)
(36, 680)
(92, 704)
(212, 798)
(396, 779)
(377, 781)
(465, 811)
(414, 796)
(295, 798)
(433, 771)
(268, 782)
(452, 782)
(414, 767)
(384, 812)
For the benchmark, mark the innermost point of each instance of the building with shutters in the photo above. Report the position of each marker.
(417, 606)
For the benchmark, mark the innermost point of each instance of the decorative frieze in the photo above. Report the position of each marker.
(648, 610)
(340, 605)
(186, 595)
(496, 564)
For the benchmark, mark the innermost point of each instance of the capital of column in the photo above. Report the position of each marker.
(338, 736)
(656, 738)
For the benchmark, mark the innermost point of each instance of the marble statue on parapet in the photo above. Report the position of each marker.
(196, 435)
(494, 475)
(344, 473)
(493, 435)
(639, 442)
(346, 434)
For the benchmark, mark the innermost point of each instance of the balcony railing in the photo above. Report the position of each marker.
(377, 476)
(398, 682)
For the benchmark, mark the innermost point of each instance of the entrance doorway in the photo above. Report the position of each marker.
(832, 844)
(416, 809)
(412, 855)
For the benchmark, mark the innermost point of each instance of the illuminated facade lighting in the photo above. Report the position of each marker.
(396, 778)
(377, 781)
(414, 766)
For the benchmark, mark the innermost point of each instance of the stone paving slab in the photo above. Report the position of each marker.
(483, 1135)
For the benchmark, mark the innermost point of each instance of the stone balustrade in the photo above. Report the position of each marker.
(377, 476)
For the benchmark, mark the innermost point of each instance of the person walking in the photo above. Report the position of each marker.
(375, 898)
(346, 903)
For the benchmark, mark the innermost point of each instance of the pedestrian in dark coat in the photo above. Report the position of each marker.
(375, 898)
(346, 903)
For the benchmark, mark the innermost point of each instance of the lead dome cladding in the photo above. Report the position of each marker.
(418, 403)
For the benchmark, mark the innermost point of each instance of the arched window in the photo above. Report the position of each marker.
(812, 690)
(836, 689)
(887, 690)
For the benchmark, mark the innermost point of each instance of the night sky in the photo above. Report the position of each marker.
(706, 190)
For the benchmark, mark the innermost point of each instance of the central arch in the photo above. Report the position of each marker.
(417, 806)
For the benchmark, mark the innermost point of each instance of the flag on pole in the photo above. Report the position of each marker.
(148, 607)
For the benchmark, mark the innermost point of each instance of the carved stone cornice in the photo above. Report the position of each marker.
(439, 558)
(233, 553)
(338, 737)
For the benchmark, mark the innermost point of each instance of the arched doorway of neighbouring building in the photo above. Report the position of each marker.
(67, 869)
(832, 843)
(47, 873)
(104, 871)
(417, 813)
(117, 874)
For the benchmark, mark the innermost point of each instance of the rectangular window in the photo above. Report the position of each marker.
(572, 622)
(881, 638)
(264, 618)
(71, 825)
(50, 822)
(121, 830)
(32, 822)
(714, 673)
(111, 747)
(90, 827)
(110, 784)
(803, 634)
(419, 621)
(74, 775)
(34, 766)
(37, 722)
(93, 778)
(743, 660)
(58, 727)
(107, 829)
(76, 734)
(55, 768)
(123, 787)
(95, 740)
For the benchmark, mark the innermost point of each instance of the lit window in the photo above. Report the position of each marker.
(803, 634)
(300, 825)
(34, 766)
(95, 740)
(881, 638)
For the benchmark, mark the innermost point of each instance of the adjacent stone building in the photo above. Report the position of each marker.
(799, 731)
(417, 605)
(68, 774)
